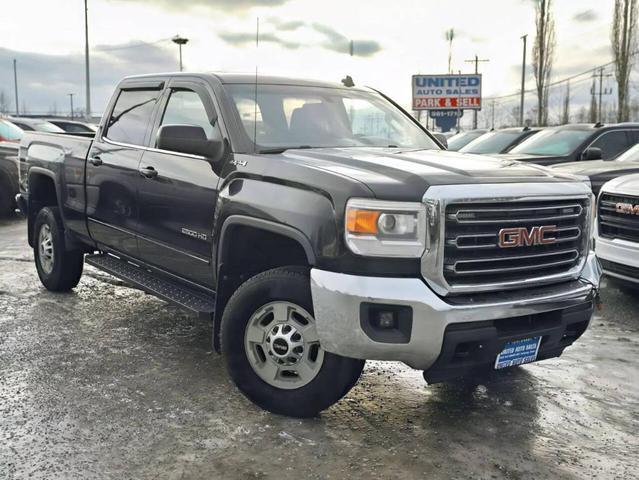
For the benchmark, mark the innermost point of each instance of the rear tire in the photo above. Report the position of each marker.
(272, 351)
(59, 269)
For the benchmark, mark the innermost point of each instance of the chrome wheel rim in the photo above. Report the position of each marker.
(282, 345)
(45, 246)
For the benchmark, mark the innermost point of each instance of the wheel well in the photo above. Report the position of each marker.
(42, 193)
(247, 251)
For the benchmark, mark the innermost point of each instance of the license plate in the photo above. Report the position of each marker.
(518, 353)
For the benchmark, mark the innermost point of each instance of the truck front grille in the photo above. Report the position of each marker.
(473, 256)
(613, 222)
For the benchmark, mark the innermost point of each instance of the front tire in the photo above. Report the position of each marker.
(59, 269)
(272, 351)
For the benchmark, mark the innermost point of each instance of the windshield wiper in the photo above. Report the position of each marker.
(282, 149)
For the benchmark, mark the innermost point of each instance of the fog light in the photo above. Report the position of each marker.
(386, 320)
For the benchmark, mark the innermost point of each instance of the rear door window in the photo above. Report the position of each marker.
(131, 115)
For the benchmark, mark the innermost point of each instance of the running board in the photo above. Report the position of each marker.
(173, 292)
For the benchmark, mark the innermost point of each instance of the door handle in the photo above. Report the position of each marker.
(95, 160)
(148, 172)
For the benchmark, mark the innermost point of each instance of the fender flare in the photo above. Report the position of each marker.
(261, 224)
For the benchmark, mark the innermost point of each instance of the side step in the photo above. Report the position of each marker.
(173, 292)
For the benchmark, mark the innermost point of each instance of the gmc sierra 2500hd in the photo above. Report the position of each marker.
(317, 226)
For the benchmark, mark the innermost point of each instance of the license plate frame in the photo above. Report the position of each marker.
(518, 352)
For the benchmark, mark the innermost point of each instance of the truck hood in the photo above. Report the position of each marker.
(393, 173)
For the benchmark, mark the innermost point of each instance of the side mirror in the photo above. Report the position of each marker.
(189, 139)
(592, 153)
(441, 138)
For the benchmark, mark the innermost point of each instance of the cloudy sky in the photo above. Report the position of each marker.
(392, 39)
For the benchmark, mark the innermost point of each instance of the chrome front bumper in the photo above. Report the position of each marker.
(337, 299)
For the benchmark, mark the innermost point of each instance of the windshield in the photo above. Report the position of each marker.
(46, 127)
(630, 155)
(460, 140)
(553, 142)
(9, 132)
(491, 142)
(287, 116)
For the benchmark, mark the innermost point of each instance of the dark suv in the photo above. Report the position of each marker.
(572, 143)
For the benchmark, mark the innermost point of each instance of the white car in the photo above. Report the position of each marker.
(617, 244)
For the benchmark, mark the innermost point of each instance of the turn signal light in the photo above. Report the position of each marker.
(362, 221)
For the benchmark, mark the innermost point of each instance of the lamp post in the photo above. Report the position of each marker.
(180, 41)
(523, 83)
(15, 84)
(86, 61)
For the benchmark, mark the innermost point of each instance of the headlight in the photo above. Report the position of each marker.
(385, 229)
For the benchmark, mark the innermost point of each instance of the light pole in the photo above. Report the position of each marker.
(180, 41)
(523, 81)
(86, 60)
(15, 83)
(71, 100)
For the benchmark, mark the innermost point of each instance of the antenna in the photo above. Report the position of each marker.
(257, 44)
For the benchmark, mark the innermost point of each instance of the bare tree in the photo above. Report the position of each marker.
(624, 40)
(543, 54)
(565, 113)
(450, 36)
(4, 102)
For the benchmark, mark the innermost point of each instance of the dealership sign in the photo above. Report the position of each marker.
(447, 92)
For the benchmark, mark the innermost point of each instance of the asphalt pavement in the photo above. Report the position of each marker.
(107, 382)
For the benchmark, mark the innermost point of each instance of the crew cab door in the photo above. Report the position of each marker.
(112, 168)
(178, 194)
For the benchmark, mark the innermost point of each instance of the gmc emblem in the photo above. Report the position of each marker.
(521, 236)
(627, 208)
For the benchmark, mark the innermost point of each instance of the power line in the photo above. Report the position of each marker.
(563, 80)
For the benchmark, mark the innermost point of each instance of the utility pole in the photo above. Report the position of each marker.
(601, 91)
(523, 82)
(86, 60)
(476, 61)
(459, 110)
(71, 100)
(15, 83)
(180, 41)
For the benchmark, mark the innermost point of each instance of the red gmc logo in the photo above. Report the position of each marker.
(522, 237)
(627, 208)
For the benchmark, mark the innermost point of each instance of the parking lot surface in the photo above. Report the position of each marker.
(107, 382)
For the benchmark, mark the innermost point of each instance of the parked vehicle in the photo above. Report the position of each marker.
(9, 132)
(462, 139)
(618, 229)
(71, 126)
(577, 142)
(498, 141)
(318, 226)
(8, 176)
(602, 171)
(35, 125)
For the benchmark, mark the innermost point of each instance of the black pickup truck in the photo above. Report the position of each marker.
(317, 226)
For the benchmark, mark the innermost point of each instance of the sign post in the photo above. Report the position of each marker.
(447, 92)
